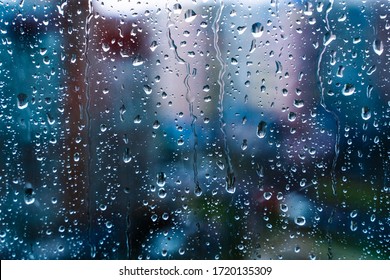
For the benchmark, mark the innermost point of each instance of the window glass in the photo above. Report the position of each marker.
(194, 129)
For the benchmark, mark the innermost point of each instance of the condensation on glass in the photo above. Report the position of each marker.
(194, 129)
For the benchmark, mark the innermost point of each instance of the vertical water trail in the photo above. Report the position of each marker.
(189, 99)
(88, 124)
(230, 173)
(326, 42)
(328, 38)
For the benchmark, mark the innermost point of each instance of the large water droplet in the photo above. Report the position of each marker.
(348, 89)
(378, 46)
(189, 16)
(29, 194)
(257, 29)
(161, 177)
(366, 113)
(126, 155)
(22, 101)
(261, 129)
(230, 179)
(300, 220)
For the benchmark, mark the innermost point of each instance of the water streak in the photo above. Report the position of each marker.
(88, 123)
(216, 27)
(189, 99)
(322, 101)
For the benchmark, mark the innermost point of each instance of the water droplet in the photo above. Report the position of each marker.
(105, 47)
(244, 144)
(137, 119)
(138, 61)
(177, 8)
(153, 46)
(300, 220)
(257, 29)
(283, 207)
(147, 89)
(353, 214)
(261, 129)
(230, 179)
(29, 194)
(241, 29)
(298, 103)
(279, 67)
(22, 101)
(156, 124)
(198, 191)
(220, 165)
(161, 178)
(76, 157)
(267, 195)
(353, 226)
(60, 248)
(126, 155)
(328, 38)
(366, 113)
(378, 46)
(189, 16)
(154, 217)
(292, 116)
(162, 193)
(348, 90)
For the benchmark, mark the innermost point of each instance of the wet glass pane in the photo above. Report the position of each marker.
(194, 129)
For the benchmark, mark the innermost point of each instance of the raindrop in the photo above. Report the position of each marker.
(261, 129)
(177, 8)
(153, 46)
(189, 16)
(147, 89)
(267, 195)
(366, 113)
(300, 220)
(292, 116)
(29, 194)
(241, 29)
(126, 155)
(230, 179)
(22, 101)
(257, 29)
(162, 193)
(244, 144)
(161, 177)
(378, 46)
(348, 90)
(138, 61)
